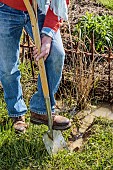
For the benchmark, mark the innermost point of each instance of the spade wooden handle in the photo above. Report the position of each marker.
(37, 41)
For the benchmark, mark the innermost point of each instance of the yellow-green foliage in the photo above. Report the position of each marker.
(107, 3)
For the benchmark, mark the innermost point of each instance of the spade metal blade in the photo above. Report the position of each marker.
(56, 144)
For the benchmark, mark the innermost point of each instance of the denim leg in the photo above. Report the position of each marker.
(11, 25)
(54, 65)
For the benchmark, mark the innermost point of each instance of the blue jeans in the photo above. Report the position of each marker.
(12, 22)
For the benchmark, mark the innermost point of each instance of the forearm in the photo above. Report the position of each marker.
(52, 22)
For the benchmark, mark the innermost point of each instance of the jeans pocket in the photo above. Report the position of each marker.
(1, 4)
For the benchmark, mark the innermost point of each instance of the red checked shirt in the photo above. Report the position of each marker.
(51, 23)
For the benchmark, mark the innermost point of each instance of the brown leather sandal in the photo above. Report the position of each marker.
(19, 124)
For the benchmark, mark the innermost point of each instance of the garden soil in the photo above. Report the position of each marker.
(77, 9)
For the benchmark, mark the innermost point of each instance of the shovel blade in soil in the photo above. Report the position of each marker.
(56, 144)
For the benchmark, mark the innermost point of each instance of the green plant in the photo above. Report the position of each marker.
(107, 3)
(101, 26)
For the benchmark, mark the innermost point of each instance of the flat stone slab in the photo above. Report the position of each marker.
(103, 111)
(86, 122)
(88, 116)
(76, 145)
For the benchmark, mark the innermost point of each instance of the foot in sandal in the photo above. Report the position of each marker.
(19, 124)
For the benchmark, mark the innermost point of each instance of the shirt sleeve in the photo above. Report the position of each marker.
(51, 23)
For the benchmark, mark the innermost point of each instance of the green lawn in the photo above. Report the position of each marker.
(27, 151)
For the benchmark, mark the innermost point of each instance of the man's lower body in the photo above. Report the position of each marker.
(12, 23)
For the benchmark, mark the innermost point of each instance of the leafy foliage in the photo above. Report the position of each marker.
(102, 26)
(107, 3)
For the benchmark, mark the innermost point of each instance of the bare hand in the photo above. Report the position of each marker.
(45, 49)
